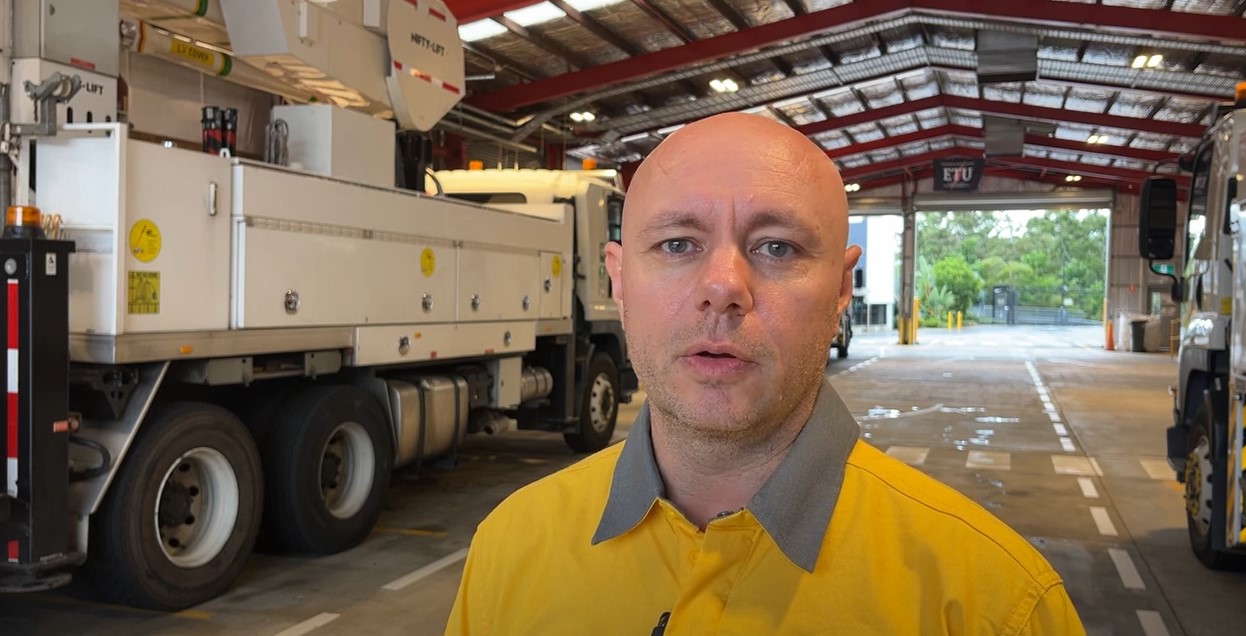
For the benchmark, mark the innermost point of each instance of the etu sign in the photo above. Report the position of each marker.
(957, 174)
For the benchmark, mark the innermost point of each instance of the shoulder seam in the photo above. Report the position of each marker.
(1045, 585)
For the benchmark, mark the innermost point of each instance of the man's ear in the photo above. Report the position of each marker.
(851, 256)
(614, 267)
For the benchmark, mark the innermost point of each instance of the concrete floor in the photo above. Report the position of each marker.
(1080, 473)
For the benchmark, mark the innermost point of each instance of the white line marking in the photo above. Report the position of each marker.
(1055, 417)
(1094, 463)
(1067, 445)
(989, 459)
(1152, 623)
(1088, 488)
(1157, 469)
(913, 455)
(1060, 430)
(315, 622)
(431, 568)
(1125, 567)
(1103, 521)
(14, 372)
(1066, 465)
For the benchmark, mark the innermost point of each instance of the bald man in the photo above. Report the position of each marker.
(742, 501)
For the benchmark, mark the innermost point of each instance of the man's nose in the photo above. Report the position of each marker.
(725, 284)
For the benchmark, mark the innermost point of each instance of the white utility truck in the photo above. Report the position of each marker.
(202, 346)
(1205, 441)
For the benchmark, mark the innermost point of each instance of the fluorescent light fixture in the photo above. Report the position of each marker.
(1154, 61)
(669, 129)
(633, 138)
(535, 14)
(589, 5)
(480, 30)
(1139, 61)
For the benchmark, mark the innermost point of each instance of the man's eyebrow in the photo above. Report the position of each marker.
(675, 219)
(769, 219)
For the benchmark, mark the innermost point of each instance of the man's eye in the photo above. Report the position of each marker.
(676, 246)
(776, 249)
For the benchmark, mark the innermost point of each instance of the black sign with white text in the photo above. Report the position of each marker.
(957, 174)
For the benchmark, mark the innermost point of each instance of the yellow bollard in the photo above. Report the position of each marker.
(960, 315)
(949, 320)
(914, 321)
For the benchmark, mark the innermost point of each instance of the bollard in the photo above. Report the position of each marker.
(960, 316)
(949, 320)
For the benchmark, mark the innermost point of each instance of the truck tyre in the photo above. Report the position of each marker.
(327, 459)
(1204, 494)
(599, 406)
(179, 522)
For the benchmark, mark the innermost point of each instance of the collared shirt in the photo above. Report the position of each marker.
(842, 539)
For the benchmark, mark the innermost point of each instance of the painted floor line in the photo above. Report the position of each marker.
(1055, 417)
(1065, 465)
(1094, 463)
(1060, 430)
(1103, 521)
(428, 570)
(309, 625)
(1067, 445)
(989, 459)
(912, 455)
(1157, 469)
(1152, 623)
(1126, 569)
(1088, 488)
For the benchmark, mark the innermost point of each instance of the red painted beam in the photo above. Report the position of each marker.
(1096, 16)
(1124, 152)
(899, 140)
(1062, 115)
(472, 10)
(657, 62)
(867, 116)
(1150, 21)
(855, 174)
(1087, 169)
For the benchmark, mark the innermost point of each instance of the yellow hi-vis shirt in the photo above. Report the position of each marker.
(842, 539)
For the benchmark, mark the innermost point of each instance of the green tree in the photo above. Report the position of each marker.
(955, 275)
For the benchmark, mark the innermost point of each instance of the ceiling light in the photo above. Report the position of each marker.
(535, 14)
(1139, 61)
(1154, 61)
(1073, 177)
(852, 187)
(580, 116)
(479, 30)
(1094, 139)
(724, 85)
(577, 117)
(588, 116)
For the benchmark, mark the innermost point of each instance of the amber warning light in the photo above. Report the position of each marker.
(22, 220)
(1239, 98)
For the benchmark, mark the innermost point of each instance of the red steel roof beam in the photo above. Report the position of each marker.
(1149, 21)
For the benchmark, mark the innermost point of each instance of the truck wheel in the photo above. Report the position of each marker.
(599, 406)
(841, 351)
(327, 459)
(180, 520)
(1204, 495)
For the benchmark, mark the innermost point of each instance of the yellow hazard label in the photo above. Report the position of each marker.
(556, 266)
(1226, 306)
(145, 240)
(194, 54)
(144, 297)
(428, 262)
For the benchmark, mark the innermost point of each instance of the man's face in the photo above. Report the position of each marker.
(729, 277)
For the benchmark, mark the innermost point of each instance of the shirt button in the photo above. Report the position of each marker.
(692, 556)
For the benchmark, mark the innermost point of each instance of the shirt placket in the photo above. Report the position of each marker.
(716, 560)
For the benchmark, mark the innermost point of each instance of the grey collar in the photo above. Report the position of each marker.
(794, 505)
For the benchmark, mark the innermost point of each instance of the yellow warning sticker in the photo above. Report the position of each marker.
(556, 266)
(428, 262)
(145, 240)
(1226, 306)
(144, 293)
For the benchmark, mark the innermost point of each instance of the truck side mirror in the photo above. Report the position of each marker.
(858, 278)
(1157, 218)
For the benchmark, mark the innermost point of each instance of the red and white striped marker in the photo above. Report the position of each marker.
(429, 78)
(10, 420)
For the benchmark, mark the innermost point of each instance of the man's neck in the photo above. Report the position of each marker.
(705, 477)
